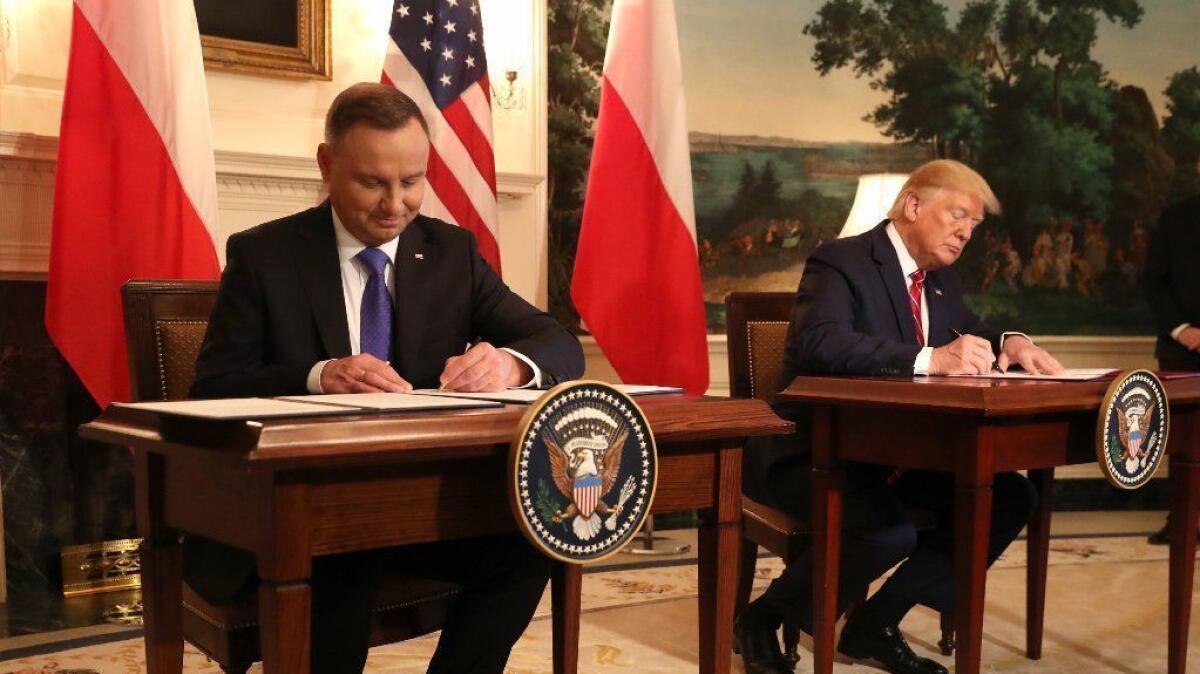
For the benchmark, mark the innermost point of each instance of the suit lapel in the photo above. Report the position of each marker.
(416, 259)
(320, 269)
(939, 329)
(893, 279)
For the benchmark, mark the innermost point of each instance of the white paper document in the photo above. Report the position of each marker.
(237, 408)
(646, 389)
(386, 402)
(525, 396)
(1071, 374)
(522, 396)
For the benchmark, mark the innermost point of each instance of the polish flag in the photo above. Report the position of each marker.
(135, 192)
(637, 277)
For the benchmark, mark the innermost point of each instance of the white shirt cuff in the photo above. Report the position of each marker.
(314, 378)
(1182, 326)
(1006, 335)
(921, 365)
(536, 380)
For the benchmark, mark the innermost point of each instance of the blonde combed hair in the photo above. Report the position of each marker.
(945, 174)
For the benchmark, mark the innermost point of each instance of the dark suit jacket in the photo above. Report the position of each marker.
(852, 318)
(280, 310)
(1173, 281)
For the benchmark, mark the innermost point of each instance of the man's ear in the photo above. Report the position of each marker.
(324, 160)
(912, 203)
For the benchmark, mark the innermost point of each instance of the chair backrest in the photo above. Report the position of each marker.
(756, 324)
(164, 327)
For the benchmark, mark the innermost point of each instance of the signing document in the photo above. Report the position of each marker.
(1070, 374)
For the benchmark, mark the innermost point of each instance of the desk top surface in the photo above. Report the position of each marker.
(307, 442)
(982, 397)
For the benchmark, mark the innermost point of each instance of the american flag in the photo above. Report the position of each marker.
(435, 55)
(587, 493)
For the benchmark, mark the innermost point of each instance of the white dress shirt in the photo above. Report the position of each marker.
(354, 281)
(907, 266)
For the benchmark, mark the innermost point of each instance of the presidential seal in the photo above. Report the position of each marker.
(582, 471)
(1131, 436)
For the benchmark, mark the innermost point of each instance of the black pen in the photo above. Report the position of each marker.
(995, 364)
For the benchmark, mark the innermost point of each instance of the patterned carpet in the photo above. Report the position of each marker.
(1106, 612)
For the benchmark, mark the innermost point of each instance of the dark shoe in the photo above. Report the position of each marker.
(887, 647)
(759, 648)
(1163, 535)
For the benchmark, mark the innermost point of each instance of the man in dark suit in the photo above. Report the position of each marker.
(886, 303)
(1173, 290)
(363, 294)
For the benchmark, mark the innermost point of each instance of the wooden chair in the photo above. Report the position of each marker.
(165, 323)
(756, 325)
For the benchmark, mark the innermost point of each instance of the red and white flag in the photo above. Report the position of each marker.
(135, 191)
(435, 55)
(637, 277)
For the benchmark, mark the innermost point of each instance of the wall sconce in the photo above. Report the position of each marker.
(508, 95)
(876, 192)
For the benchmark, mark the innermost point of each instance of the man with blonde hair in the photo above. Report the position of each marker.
(886, 303)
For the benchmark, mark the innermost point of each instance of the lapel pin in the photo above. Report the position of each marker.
(937, 292)
(418, 256)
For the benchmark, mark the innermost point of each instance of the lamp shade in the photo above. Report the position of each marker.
(875, 195)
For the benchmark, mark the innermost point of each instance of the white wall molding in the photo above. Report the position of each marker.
(231, 163)
(22, 260)
(252, 188)
(268, 188)
(518, 185)
(28, 146)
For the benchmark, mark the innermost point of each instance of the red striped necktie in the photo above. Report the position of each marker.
(914, 302)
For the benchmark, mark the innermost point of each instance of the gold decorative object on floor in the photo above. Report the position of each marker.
(125, 614)
(101, 567)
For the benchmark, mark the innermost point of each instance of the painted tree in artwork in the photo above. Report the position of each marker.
(1052, 111)
(1142, 165)
(578, 33)
(1181, 130)
(1011, 88)
(934, 72)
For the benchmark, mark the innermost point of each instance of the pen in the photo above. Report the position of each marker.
(995, 364)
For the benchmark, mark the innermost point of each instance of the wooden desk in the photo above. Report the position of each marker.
(293, 489)
(974, 429)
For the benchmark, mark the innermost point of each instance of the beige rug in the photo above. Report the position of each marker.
(1106, 612)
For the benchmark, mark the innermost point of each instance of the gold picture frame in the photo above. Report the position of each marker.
(308, 58)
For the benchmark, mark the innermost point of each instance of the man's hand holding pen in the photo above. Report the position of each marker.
(967, 354)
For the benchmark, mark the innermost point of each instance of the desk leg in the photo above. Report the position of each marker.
(566, 584)
(284, 590)
(1185, 493)
(972, 515)
(827, 549)
(162, 571)
(283, 617)
(162, 602)
(719, 554)
(827, 539)
(1038, 556)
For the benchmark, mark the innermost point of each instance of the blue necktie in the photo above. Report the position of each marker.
(375, 314)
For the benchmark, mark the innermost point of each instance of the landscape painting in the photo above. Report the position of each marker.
(1081, 117)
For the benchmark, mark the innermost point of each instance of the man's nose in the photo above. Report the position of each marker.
(393, 201)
